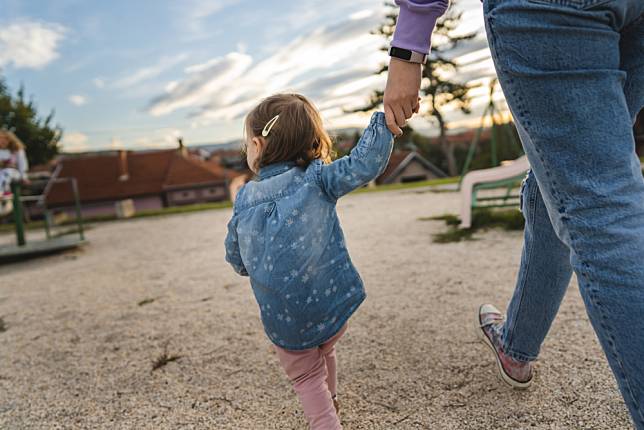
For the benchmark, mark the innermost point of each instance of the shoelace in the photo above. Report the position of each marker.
(494, 320)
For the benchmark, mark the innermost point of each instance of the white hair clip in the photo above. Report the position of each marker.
(269, 126)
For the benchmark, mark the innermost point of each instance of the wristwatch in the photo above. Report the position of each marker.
(407, 55)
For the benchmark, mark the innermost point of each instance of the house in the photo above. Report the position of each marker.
(150, 179)
(232, 159)
(408, 166)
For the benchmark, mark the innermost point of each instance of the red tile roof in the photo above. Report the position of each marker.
(185, 171)
(149, 173)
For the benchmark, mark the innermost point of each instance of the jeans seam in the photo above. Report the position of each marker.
(531, 202)
(613, 346)
(564, 220)
(507, 341)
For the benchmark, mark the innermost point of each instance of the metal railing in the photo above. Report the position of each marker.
(40, 201)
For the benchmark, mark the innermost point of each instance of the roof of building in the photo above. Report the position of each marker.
(401, 159)
(124, 174)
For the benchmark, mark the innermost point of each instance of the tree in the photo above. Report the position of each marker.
(19, 115)
(438, 89)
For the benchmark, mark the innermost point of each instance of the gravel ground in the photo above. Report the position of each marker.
(83, 330)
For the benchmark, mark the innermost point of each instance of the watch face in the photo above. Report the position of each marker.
(403, 54)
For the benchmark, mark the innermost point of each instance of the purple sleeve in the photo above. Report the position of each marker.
(416, 22)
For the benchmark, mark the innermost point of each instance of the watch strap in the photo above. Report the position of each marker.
(407, 55)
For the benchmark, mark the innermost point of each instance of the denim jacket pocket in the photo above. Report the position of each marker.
(269, 208)
(575, 4)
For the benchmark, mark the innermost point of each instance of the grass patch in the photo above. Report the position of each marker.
(9, 227)
(453, 234)
(146, 302)
(409, 185)
(3, 325)
(173, 210)
(163, 359)
(482, 219)
(448, 218)
(506, 219)
(69, 231)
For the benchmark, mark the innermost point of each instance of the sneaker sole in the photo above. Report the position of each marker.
(503, 376)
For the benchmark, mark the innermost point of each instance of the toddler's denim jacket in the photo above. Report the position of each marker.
(285, 235)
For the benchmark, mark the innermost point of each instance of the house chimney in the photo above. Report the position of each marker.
(182, 148)
(124, 173)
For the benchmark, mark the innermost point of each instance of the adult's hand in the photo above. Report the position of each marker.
(401, 93)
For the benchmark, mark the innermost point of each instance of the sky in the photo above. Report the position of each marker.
(139, 74)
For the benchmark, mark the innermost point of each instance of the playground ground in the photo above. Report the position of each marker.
(81, 332)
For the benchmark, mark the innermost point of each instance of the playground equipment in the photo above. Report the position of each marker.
(506, 177)
(493, 115)
(54, 241)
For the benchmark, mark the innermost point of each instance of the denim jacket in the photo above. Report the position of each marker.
(285, 235)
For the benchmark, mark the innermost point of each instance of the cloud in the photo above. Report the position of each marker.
(200, 9)
(77, 99)
(161, 138)
(202, 81)
(333, 64)
(316, 64)
(149, 72)
(98, 83)
(116, 143)
(30, 44)
(75, 142)
(192, 17)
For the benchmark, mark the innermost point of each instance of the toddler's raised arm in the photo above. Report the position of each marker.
(365, 162)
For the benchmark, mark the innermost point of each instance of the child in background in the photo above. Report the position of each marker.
(13, 167)
(285, 235)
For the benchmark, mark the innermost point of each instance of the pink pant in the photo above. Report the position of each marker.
(313, 374)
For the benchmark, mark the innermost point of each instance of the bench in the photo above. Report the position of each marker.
(506, 178)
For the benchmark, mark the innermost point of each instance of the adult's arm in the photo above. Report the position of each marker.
(416, 22)
(414, 27)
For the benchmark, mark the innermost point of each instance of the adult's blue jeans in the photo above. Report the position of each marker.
(573, 75)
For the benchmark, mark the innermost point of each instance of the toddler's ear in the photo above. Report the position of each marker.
(259, 142)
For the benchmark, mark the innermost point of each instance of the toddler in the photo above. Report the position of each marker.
(285, 235)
